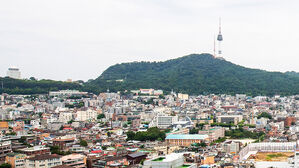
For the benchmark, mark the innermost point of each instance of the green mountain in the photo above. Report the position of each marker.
(292, 73)
(194, 74)
(17, 86)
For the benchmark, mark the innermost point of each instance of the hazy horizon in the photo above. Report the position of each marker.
(77, 39)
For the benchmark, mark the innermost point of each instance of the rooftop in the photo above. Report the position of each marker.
(137, 154)
(44, 157)
(168, 158)
(187, 136)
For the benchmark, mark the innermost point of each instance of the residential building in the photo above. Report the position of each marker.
(185, 139)
(214, 133)
(36, 150)
(74, 160)
(86, 115)
(64, 142)
(66, 93)
(163, 121)
(14, 73)
(43, 161)
(16, 160)
(136, 158)
(235, 119)
(5, 148)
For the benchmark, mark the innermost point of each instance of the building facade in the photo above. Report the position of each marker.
(14, 73)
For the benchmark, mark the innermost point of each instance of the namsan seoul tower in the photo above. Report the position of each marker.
(219, 39)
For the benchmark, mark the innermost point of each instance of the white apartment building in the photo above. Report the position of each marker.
(163, 121)
(14, 72)
(86, 115)
(66, 93)
(65, 117)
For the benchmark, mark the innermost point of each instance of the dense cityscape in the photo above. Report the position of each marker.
(149, 84)
(147, 128)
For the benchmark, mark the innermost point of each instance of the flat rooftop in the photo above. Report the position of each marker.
(187, 136)
(271, 156)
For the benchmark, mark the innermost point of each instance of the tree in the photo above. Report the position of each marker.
(19, 105)
(264, 115)
(193, 131)
(56, 150)
(100, 116)
(71, 121)
(195, 74)
(32, 78)
(151, 134)
(28, 87)
(11, 133)
(5, 165)
(130, 135)
(202, 144)
(83, 143)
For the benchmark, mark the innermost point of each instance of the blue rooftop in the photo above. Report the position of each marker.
(187, 136)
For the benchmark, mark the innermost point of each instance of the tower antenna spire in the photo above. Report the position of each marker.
(220, 25)
(219, 39)
(214, 47)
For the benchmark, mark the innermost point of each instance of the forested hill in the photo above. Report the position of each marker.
(195, 74)
(292, 73)
(16, 86)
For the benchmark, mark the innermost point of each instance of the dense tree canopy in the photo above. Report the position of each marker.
(265, 115)
(151, 134)
(17, 86)
(195, 74)
(241, 133)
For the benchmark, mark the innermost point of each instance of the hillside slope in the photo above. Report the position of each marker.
(195, 74)
(18, 86)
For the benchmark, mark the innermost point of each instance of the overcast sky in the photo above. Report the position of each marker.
(79, 39)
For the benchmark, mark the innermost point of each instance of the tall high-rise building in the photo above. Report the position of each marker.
(14, 72)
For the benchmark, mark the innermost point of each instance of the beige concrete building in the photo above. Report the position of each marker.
(74, 160)
(213, 133)
(45, 161)
(86, 115)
